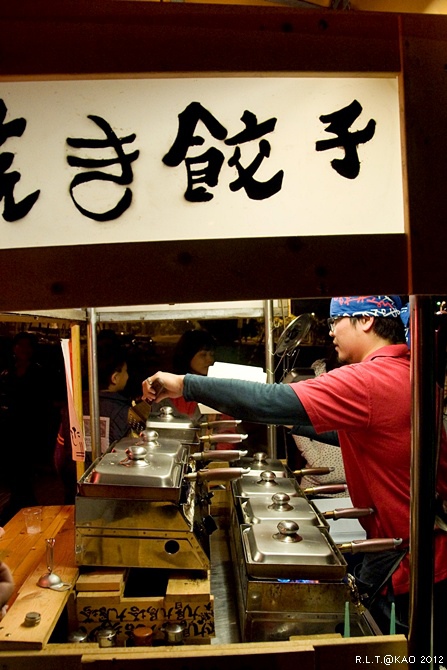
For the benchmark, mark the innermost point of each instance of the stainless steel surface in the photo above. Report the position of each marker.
(136, 508)
(264, 483)
(120, 532)
(153, 471)
(290, 577)
(92, 359)
(174, 632)
(305, 554)
(276, 607)
(279, 506)
(217, 474)
(168, 424)
(260, 462)
(228, 438)
(50, 580)
(223, 588)
(139, 470)
(170, 446)
(270, 369)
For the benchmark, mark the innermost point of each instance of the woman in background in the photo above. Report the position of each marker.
(194, 353)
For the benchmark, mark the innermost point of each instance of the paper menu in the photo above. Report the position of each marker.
(233, 371)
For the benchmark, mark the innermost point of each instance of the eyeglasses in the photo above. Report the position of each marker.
(332, 321)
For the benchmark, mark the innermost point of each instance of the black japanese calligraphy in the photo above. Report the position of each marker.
(206, 167)
(124, 619)
(122, 159)
(12, 210)
(339, 123)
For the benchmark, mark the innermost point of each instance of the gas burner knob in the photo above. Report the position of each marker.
(268, 478)
(280, 502)
(288, 532)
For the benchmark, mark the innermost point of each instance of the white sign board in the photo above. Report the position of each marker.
(137, 160)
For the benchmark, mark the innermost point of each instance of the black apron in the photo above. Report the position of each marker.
(373, 579)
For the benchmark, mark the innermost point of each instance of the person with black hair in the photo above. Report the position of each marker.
(112, 380)
(193, 353)
(27, 458)
(368, 401)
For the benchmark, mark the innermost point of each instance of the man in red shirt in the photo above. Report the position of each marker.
(368, 402)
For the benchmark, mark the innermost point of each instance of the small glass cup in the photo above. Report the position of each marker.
(33, 519)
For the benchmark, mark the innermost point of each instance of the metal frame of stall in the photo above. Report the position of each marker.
(414, 46)
(92, 316)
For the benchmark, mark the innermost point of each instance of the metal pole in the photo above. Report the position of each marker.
(270, 369)
(77, 385)
(423, 473)
(95, 429)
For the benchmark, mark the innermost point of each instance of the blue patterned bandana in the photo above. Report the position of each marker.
(405, 316)
(366, 305)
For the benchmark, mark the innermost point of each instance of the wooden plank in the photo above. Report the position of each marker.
(102, 580)
(241, 657)
(57, 522)
(24, 552)
(241, 277)
(122, 37)
(355, 651)
(180, 585)
(32, 598)
(305, 655)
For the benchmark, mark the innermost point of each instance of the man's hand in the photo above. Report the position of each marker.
(162, 385)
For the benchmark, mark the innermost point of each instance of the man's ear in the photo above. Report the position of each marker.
(113, 378)
(366, 323)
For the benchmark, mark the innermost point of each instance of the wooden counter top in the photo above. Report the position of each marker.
(25, 554)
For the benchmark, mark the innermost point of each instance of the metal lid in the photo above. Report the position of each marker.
(142, 636)
(32, 619)
(280, 506)
(174, 631)
(80, 635)
(167, 418)
(288, 532)
(106, 637)
(265, 484)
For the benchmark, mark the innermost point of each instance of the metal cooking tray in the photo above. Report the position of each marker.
(260, 508)
(315, 557)
(167, 424)
(168, 446)
(153, 471)
(249, 486)
(258, 465)
(158, 477)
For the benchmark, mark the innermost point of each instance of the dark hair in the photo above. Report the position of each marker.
(191, 342)
(109, 361)
(388, 327)
(25, 335)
